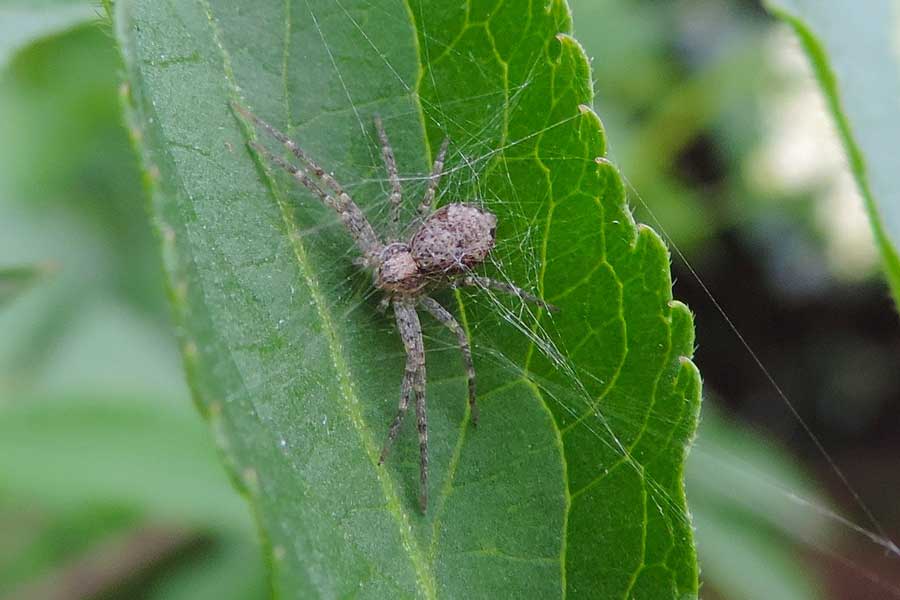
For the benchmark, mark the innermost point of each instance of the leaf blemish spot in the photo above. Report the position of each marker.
(181, 291)
(251, 478)
(168, 234)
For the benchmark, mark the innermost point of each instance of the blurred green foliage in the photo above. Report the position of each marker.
(98, 432)
(23, 22)
(862, 101)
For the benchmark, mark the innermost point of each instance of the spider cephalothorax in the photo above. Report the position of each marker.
(444, 246)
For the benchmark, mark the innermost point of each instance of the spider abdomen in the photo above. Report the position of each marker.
(455, 237)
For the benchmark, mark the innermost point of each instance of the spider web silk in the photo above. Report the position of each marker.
(469, 159)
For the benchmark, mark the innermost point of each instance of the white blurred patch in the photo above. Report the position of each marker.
(802, 154)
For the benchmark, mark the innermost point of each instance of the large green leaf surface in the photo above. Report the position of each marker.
(572, 483)
(854, 54)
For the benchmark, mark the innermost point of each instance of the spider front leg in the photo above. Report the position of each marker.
(443, 315)
(390, 163)
(414, 378)
(437, 170)
(319, 182)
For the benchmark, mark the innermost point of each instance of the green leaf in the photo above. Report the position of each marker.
(232, 569)
(754, 567)
(23, 23)
(741, 486)
(133, 453)
(36, 541)
(853, 51)
(572, 484)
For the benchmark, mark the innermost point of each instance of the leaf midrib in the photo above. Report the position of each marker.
(425, 576)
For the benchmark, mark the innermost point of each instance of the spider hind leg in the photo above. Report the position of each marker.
(405, 390)
(447, 320)
(411, 334)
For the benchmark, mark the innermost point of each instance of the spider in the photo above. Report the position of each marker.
(446, 244)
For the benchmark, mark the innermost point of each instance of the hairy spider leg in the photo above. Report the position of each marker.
(390, 163)
(447, 320)
(487, 282)
(411, 334)
(351, 215)
(422, 426)
(436, 172)
(405, 390)
(356, 224)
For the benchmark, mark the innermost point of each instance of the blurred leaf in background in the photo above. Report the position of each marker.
(15, 280)
(838, 39)
(749, 530)
(99, 440)
(22, 22)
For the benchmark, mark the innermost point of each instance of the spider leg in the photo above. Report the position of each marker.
(443, 315)
(422, 426)
(341, 202)
(291, 145)
(390, 163)
(436, 171)
(384, 303)
(405, 390)
(487, 282)
(411, 334)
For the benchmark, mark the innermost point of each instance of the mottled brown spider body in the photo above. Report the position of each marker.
(446, 245)
(453, 239)
(398, 271)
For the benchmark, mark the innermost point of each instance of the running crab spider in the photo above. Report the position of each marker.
(447, 243)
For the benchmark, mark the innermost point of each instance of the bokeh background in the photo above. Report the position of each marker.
(109, 483)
